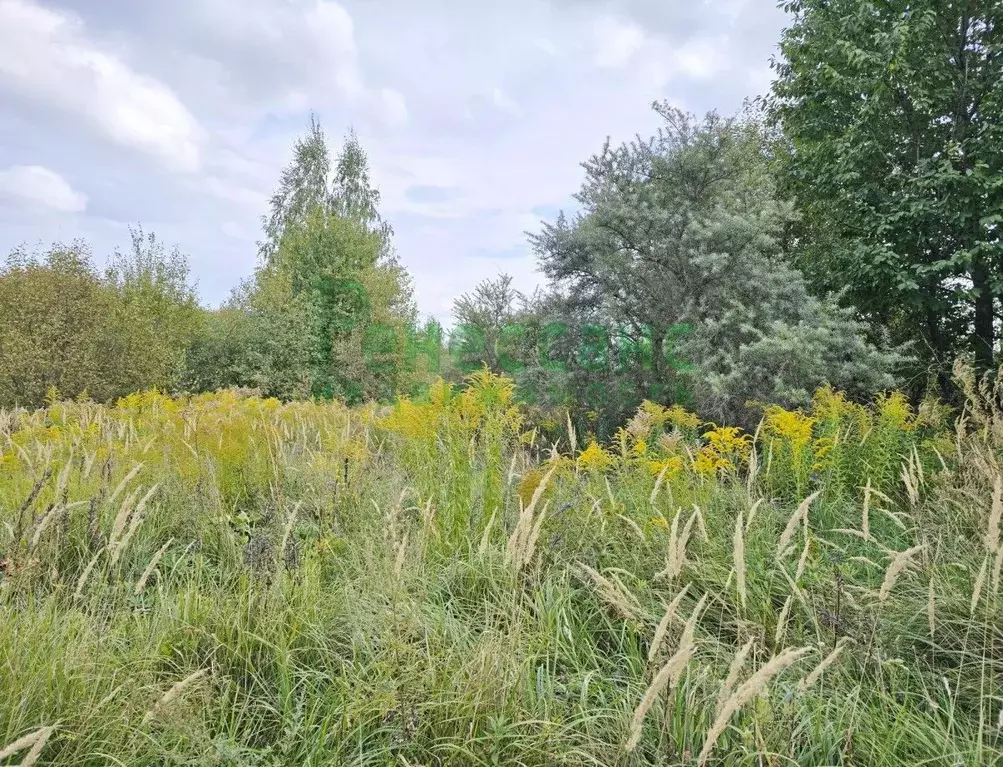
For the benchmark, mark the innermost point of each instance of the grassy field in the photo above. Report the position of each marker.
(225, 580)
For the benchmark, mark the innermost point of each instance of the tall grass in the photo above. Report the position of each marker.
(225, 580)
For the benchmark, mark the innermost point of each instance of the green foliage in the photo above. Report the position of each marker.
(68, 328)
(683, 230)
(329, 273)
(892, 115)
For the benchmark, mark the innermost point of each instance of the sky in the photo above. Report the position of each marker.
(178, 115)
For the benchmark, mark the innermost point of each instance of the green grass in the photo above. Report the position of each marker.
(396, 628)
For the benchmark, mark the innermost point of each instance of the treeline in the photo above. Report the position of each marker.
(847, 229)
(329, 312)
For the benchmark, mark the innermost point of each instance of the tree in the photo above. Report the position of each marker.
(328, 261)
(69, 328)
(484, 322)
(156, 315)
(675, 250)
(893, 118)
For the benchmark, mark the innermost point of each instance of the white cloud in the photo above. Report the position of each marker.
(46, 55)
(503, 101)
(42, 187)
(617, 40)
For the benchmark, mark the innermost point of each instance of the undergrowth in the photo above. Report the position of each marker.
(226, 580)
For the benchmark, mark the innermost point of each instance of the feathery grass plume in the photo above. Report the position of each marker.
(979, 581)
(738, 552)
(36, 750)
(125, 481)
(82, 581)
(148, 571)
(865, 512)
(782, 621)
(800, 515)
(931, 608)
(668, 675)
(534, 535)
(572, 440)
(899, 563)
(752, 514)
(486, 535)
(733, 672)
(42, 524)
(700, 520)
(817, 672)
(633, 526)
(658, 485)
(136, 518)
(619, 598)
(675, 554)
(287, 531)
(518, 542)
(399, 560)
(663, 625)
(36, 740)
(911, 483)
(993, 528)
(753, 470)
(745, 693)
(803, 559)
(173, 693)
(118, 525)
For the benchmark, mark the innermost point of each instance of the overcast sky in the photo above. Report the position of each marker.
(179, 114)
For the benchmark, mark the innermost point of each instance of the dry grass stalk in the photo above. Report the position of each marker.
(399, 560)
(658, 485)
(633, 526)
(173, 693)
(82, 581)
(752, 514)
(800, 515)
(43, 523)
(993, 528)
(817, 672)
(865, 513)
(738, 551)
(803, 559)
(663, 625)
(615, 595)
(288, 529)
(517, 550)
(668, 675)
(745, 693)
(700, 520)
(997, 565)
(782, 621)
(979, 581)
(152, 566)
(125, 481)
(486, 535)
(36, 740)
(931, 608)
(135, 520)
(572, 440)
(898, 565)
(121, 520)
(733, 672)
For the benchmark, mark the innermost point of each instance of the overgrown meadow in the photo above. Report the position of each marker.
(228, 580)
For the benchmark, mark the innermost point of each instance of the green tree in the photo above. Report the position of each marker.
(676, 246)
(328, 265)
(892, 113)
